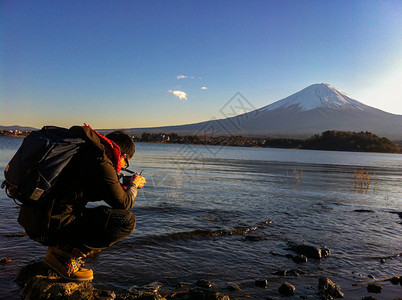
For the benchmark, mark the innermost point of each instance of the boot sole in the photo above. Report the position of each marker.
(68, 278)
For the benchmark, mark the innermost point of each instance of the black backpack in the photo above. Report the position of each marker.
(33, 171)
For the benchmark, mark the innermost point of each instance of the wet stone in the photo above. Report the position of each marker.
(329, 288)
(280, 273)
(374, 288)
(300, 258)
(287, 289)
(262, 283)
(5, 260)
(325, 252)
(104, 295)
(43, 287)
(306, 250)
(233, 287)
(181, 285)
(202, 294)
(295, 272)
(395, 280)
(204, 283)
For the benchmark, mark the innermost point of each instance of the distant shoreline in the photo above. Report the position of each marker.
(330, 140)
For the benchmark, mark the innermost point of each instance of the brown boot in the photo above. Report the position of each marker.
(67, 266)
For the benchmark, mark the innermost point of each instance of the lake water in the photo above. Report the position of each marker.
(197, 195)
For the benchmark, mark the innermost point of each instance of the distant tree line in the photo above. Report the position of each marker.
(328, 140)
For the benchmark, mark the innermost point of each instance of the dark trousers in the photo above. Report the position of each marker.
(96, 228)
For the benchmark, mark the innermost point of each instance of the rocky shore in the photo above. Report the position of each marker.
(37, 282)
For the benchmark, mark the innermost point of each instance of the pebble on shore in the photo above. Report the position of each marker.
(5, 260)
(262, 283)
(329, 288)
(374, 288)
(287, 289)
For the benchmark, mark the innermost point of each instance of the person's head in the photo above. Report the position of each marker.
(124, 141)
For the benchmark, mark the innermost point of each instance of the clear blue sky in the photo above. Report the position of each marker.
(120, 64)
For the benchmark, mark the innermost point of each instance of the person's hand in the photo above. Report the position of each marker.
(138, 180)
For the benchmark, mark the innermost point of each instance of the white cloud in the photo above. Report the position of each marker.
(184, 77)
(180, 94)
(204, 88)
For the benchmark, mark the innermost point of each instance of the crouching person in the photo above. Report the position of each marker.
(67, 226)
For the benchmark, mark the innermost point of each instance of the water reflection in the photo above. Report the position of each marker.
(190, 207)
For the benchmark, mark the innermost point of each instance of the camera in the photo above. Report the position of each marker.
(126, 180)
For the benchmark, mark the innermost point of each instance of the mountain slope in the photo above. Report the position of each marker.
(312, 110)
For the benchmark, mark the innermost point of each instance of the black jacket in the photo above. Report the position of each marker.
(89, 177)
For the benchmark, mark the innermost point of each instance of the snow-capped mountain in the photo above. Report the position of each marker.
(317, 96)
(315, 109)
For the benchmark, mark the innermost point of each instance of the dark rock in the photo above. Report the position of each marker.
(329, 288)
(395, 280)
(307, 250)
(140, 295)
(275, 253)
(301, 272)
(104, 295)
(41, 287)
(234, 287)
(371, 276)
(325, 252)
(202, 294)
(204, 283)
(181, 285)
(31, 270)
(300, 258)
(287, 289)
(5, 260)
(262, 283)
(280, 273)
(38, 283)
(374, 288)
(294, 272)
(289, 255)
(383, 260)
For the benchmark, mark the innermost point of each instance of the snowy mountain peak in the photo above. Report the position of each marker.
(321, 95)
